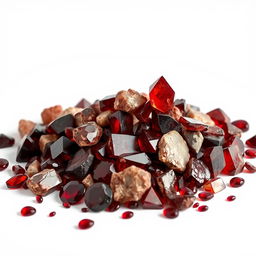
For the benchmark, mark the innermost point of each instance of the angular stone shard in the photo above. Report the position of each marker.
(215, 185)
(33, 168)
(45, 140)
(219, 116)
(180, 202)
(107, 103)
(197, 115)
(71, 110)
(151, 200)
(59, 125)
(83, 103)
(25, 127)
(50, 114)
(148, 141)
(167, 182)
(194, 140)
(121, 122)
(193, 124)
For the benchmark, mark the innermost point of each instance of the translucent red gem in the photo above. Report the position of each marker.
(170, 213)
(231, 198)
(16, 181)
(17, 169)
(192, 124)
(27, 211)
(195, 205)
(205, 196)
(114, 206)
(236, 182)
(52, 214)
(39, 199)
(3, 164)
(66, 205)
(6, 141)
(242, 125)
(127, 215)
(250, 167)
(151, 200)
(251, 142)
(121, 122)
(84, 209)
(250, 153)
(85, 224)
(203, 208)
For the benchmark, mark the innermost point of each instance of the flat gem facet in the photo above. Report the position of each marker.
(215, 185)
(151, 200)
(121, 122)
(58, 125)
(242, 125)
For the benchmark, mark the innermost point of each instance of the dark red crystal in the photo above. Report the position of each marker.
(132, 205)
(195, 205)
(85, 224)
(143, 112)
(3, 164)
(6, 141)
(52, 214)
(121, 122)
(114, 206)
(148, 141)
(242, 125)
(66, 205)
(192, 124)
(127, 215)
(251, 142)
(219, 116)
(250, 167)
(203, 208)
(107, 103)
(16, 181)
(250, 153)
(39, 199)
(83, 103)
(230, 198)
(27, 211)
(205, 196)
(151, 200)
(17, 169)
(102, 171)
(186, 192)
(170, 213)
(84, 209)
(236, 182)
(59, 125)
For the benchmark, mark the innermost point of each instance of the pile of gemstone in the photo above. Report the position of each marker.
(130, 149)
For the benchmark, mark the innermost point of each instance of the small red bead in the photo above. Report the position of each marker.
(27, 211)
(242, 125)
(205, 196)
(84, 209)
(66, 205)
(250, 153)
(203, 208)
(114, 206)
(85, 224)
(170, 213)
(230, 198)
(195, 205)
(16, 181)
(52, 214)
(236, 182)
(39, 199)
(127, 215)
(3, 164)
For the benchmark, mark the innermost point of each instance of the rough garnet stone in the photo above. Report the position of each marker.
(171, 213)
(27, 211)
(85, 224)
(3, 164)
(102, 171)
(192, 124)
(151, 200)
(250, 167)
(236, 182)
(127, 215)
(148, 141)
(98, 197)
(107, 103)
(6, 141)
(72, 192)
(161, 95)
(251, 142)
(121, 122)
(242, 125)
(16, 181)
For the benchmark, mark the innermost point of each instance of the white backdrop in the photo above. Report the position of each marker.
(56, 52)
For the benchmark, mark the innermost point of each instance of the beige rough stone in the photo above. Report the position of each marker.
(129, 101)
(194, 140)
(50, 114)
(45, 139)
(33, 168)
(173, 151)
(175, 113)
(25, 127)
(130, 184)
(102, 119)
(206, 119)
(84, 116)
(71, 110)
(88, 181)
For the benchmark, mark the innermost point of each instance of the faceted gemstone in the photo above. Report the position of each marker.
(236, 182)
(219, 116)
(121, 122)
(161, 95)
(102, 119)
(127, 215)
(88, 134)
(186, 192)
(72, 192)
(114, 206)
(120, 144)
(98, 197)
(164, 123)
(16, 181)
(231, 198)
(99, 150)
(181, 104)
(215, 185)
(213, 131)
(27, 211)
(143, 112)
(66, 205)
(193, 124)
(102, 171)
(251, 142)
(79, 165)
(83, 103)
(167, 182)
(62, 148)
(44, 182)
(212, 141)
(151, 200)
(107, 103)
(27, 149)
(250, 153)
(194, 140)
(148, 141)
(3, 164)
(86, 115)
(250, 167)
(52, 214)
(214, 159)
(6, 141)
(170, 213)
(180, 202)
(141, 160)
(17, 169)
(197, 172)
(230, 130)
(56, 164)
(58, 125)
(37, 132)
(242, 125)
(139, 128)
(85, 224)
(84, 209)
(205, 196)
(203, 208)
(236, 143)
(39, 199)
(195, 205)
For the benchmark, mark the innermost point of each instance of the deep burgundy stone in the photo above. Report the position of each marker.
(230, 130)
(236, 182)
(251, 142)
(27, 211)
(114, 206)
(231, 198)
(192, 124)
(180, 202)
(213, 131)
(99, 150)
(16, 181)
(250, 167)
(132, 205)
(66, 205)
(3, 164)
(211, 141)
(52, 214)
(139, 128)
(96, 106)
(79, 165)
(219, 116)
(203, 208)
(143, 112)
(6, 141)
(250, 153)
(37, 132)
(195, 205)
(98, 197)
(83, 103)
(107, 103)
(85, 224)
(39, 199)
(102, 171)
(205, 196)
(148, 141)
(235, 142)
(57, 164)
(186, 192)
(59, 125)
(72, 192)
(161, 95)
(170, 213)
(121, 122)
(181, 105)
(242, 125)
(69, 132)
(84, 209)
(127, 215)
(17, 169)
(151, 200)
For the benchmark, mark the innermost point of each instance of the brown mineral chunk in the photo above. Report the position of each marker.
(175, 113)
(33, 168)
(194, 140)
(84, 116)
(129, 101)
(71, 110)
(130, 184)
(25, 127)
(181, 202)
(45, 139)
(173, 151)
(102, 118)
(166, 182)
(206, 119)
(50, 114)
(44, 182)
(88, 181)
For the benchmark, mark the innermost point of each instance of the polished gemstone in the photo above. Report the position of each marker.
(148, 141)
(236, 182)
(3, 164)
(17, 169)
(27, 211)
(251, 142)
(121, 122)
(85, 224)
(203, 208)
(250, 153)
(6, 141)
(16, 181)
(205, 196)
(127, 215)
(170, 213)
(242, 125)
(59, 125)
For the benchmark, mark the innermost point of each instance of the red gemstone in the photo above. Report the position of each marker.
(59, 125)
(121, 122)
(52, 214)
(219, 116)
(250, 153)
(231, 198)
(83, 103)
(84, 209)
(27, 211)
(250, 167)
(161, 95)
(3, 164)
(107, 103)
(151, 200)
(85, 224)
(242, 125)
(205, 196)
(16, 181)
(39, 199)
(186, 192)
(192, 124)
(251, 142)
(203, 208)
(170, 213)
(148, 141)
(102, 171)
(132, 205)
(6, 141)
(195, 205)
(236, 182)
(66, 205)
(114, 206)
(143, 112)
(69, 132)
(17, 169)
(127, 215)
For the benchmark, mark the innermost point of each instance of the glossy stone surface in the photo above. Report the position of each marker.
(16, 181)
(17, 169)
(52, 214)
(114, 206)
(170, 213)
(205, 196)
(6, 141)
(39, 199)
(83, 103)
(151, 200)
(107, 103)
(100, 151)
(3, 164)
(250, 153)
(236, 182)
(195, 205)
(88, 134)
(193, 124)
(166, 182)
(230, 130)
(194, 140)
(148, 141)
(203, 208)
(102, 119)
(212, 141)
(79, 165)
(98, 197)
(58, 125)
(143, 112)
(241, 124)
(231, 198)
(127, 215)
(180, 202)
(102, 171)
(72, 192)
(250, 167)
(27, 211)
(219, 116)
(121, 122)
(215, 185)
(45, 141)
(85, 224)
(251, 142)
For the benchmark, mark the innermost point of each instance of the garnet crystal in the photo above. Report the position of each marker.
(251, 142)
(16, 181)
(6, 141)
(3, 164)
(27, 211)
(85, 224)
